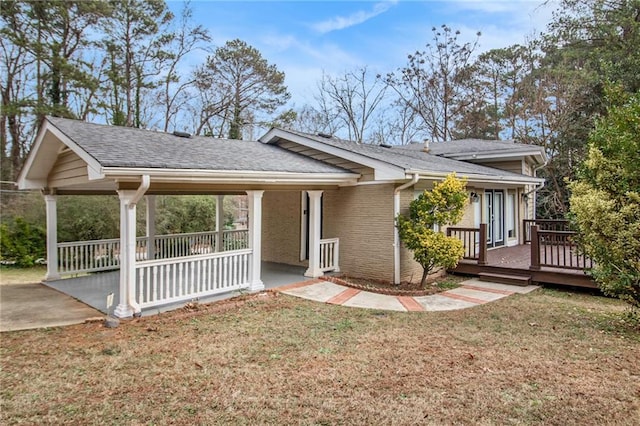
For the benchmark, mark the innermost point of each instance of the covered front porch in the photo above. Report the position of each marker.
(76, 158)
(154, 272)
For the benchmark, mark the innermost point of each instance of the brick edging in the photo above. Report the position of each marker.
(378, 290)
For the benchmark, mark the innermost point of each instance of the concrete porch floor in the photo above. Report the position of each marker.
(93, 289)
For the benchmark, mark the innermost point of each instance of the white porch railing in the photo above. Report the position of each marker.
(163, 281)
(329, 254)
(180, 245)
(88, 256)
(235, 240)
(104, 255)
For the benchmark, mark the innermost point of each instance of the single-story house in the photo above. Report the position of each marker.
(313, 200)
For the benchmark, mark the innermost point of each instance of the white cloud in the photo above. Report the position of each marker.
(303, 62)
(489, 6)
(279, 42)
(522, 26)
(342, 22)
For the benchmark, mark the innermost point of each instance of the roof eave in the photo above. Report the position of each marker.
(478, 178)
(230, 176)
(539, 154)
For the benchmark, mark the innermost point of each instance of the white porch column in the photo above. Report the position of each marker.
(151, 227)
(219, 223)
(52, 238)
(127, 305)
(255, 239)
(314, 234)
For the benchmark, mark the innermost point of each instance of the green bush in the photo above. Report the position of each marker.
(184, 214)
(22, 243)
(84, 218)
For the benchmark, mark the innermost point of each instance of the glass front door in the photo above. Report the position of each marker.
(494, 215)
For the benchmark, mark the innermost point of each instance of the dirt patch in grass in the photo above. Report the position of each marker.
(548, 357)
(405, 288)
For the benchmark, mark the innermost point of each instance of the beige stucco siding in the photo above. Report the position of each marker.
(362, 217)
(68, 169)
(469, 219)
(514, 166)
(529, 209)
(281, 227)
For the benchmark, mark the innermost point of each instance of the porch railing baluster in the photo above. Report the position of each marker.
(191, 277)
(329, 254)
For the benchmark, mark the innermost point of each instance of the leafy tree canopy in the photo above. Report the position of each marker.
(605, 201)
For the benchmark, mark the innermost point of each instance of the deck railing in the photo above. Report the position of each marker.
(329, 254)
(556, 249)
(104, 255)
(551, 247)
(163, 281)
(543, 225)
(474, 241)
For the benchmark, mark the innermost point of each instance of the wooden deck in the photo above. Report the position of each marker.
(517, 261)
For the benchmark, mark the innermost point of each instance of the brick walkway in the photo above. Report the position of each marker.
(471, 293)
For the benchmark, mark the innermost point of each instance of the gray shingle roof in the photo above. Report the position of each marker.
(411, 159)
(114, 146)
(471, 146)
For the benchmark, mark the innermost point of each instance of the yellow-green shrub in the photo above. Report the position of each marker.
(444, 205)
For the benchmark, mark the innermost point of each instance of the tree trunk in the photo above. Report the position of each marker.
(425, 274)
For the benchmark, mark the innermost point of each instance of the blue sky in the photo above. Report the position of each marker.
(305, 38)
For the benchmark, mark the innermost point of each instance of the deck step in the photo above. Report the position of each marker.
(520, 280)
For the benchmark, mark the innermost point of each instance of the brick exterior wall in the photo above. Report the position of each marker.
(362, 217)
(281, 227)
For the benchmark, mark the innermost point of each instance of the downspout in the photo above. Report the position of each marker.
(131, 297)
(396, 235)
(142, 189)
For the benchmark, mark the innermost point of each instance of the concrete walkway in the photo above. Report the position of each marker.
(29, 306)
(471, 293)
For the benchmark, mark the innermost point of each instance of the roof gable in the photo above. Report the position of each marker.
(50, 142)
(394, 163)
(383, 169)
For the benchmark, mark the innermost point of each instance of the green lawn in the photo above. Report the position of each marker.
(10, 275)
(549, 357)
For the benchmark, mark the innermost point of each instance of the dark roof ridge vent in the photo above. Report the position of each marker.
(385, 145)
(181, 134)
(325, 135)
